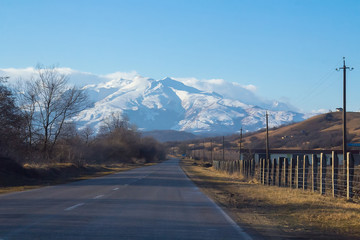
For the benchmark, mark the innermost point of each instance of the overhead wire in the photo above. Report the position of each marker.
(318, 86)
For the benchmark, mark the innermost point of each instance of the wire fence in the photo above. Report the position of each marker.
(311, 172)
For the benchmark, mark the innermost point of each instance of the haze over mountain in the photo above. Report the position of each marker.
(183, 104)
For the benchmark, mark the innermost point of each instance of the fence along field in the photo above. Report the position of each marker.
(320, 172)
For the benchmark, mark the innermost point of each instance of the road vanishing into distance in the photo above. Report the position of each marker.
(155, 202)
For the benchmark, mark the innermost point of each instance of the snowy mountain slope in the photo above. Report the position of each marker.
(170, 104)
(192, 105)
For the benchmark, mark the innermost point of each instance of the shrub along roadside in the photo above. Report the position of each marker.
(15, 177)
(36, 127)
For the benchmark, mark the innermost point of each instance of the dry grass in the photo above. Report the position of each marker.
(319, 132)
(273, 212)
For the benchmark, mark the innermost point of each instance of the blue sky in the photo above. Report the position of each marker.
(288, 49)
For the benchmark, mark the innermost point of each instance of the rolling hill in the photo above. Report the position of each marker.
(319, 132)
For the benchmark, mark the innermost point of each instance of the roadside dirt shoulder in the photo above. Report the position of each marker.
(277, 213)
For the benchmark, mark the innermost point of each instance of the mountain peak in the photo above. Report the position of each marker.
(198, 106)
(168, 104)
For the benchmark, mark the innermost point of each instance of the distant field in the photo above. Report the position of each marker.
(273, 212)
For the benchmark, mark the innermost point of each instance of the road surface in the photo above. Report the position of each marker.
(155, 202)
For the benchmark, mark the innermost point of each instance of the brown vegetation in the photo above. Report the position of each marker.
(36, 129)
(320, 132)
(277, 213)
(16, 177)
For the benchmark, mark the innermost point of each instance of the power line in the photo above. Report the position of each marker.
(317, 86)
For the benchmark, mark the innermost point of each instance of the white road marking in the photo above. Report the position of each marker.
(126, 185)
(98, 196)
(115, 189)
(243, 234)
(73, 207)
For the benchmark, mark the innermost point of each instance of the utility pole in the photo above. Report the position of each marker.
(267, 136)
(344, 68)
(240, 144)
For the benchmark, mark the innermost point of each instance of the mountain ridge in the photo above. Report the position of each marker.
(192, 105)
(168, 104)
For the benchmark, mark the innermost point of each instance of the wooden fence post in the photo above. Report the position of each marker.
(266, 166)
(250, 166)
(253, 165)
(314, 172)
(279, 173)
(334, 173)
(240, 167)
(297, 175)
(268, 172)
(350, 176)
(264, 171)
(292, 172)
(305, 171)
(260, 169)
(243, 167)
(246, 168)
(322, 173)
(300, 172)
(286, 172)
(273, 171)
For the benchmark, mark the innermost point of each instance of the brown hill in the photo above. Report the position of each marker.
(320, 132)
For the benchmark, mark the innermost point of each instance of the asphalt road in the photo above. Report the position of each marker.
(156, 202)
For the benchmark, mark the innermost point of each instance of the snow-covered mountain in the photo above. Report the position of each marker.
(170, 104)
(206, 106)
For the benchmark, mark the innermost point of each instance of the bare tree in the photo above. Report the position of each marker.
(11, 121)
(49, 103)
(115, 122)
(69, 131)
(27, 100)
(87, 133)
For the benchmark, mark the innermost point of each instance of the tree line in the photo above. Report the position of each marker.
(36, 125)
